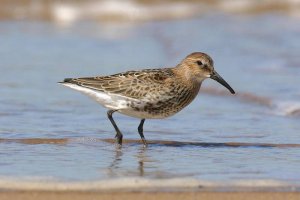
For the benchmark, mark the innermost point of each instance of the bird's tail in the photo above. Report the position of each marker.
(66, 80)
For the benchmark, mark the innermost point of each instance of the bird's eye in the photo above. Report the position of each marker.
(199, 63)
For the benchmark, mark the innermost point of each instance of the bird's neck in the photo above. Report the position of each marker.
(188, 75)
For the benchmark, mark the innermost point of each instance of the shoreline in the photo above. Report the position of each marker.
(76, 195)
(138, 184)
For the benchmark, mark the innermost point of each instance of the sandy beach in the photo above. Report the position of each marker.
(140, 188)
(49, 195)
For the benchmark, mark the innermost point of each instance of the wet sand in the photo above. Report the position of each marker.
(75, 195)
(139, 188)
(62, 141)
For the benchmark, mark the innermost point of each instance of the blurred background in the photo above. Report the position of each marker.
(46, 129)
(71, 11)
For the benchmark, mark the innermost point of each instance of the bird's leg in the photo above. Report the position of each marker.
(119, 135)
(140, 129)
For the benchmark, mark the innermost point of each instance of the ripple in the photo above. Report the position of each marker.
(243, 96)
(283, 108)
(287, 108)
(34, 141)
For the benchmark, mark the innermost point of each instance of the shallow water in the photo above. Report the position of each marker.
(257, 54)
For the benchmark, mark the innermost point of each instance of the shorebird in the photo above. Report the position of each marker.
(149, 93)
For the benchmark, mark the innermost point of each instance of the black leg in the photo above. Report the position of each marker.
(140, 129)
(119, 135)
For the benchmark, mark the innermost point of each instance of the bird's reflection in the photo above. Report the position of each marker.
(135, 160)
(117, 158)
(141, 159)
(115, 169)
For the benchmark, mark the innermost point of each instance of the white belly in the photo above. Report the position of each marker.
(110, 101)
(115, 102)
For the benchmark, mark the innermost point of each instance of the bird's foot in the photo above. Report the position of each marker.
(119, 138)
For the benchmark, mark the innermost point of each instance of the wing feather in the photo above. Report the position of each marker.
(133, 84)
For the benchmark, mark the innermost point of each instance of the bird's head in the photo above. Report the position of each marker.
(201, 66)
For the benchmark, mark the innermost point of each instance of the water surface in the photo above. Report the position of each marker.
(67, 132)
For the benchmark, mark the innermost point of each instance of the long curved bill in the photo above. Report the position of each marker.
(219, 79)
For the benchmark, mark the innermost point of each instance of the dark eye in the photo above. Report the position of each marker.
(199, 63)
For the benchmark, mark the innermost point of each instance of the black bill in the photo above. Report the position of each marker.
(219, 79)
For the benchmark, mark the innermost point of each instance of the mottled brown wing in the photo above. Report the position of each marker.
(133, 84)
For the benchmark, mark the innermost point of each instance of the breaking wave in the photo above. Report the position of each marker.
(282, 108)
(287, 108)
(136, 10)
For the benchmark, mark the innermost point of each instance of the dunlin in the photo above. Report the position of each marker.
(149, 93)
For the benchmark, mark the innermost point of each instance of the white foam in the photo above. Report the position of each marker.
(65, 14)
(138, 183)
(69, 12)
(287, 108)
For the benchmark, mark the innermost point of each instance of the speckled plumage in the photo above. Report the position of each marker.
(149, 93)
